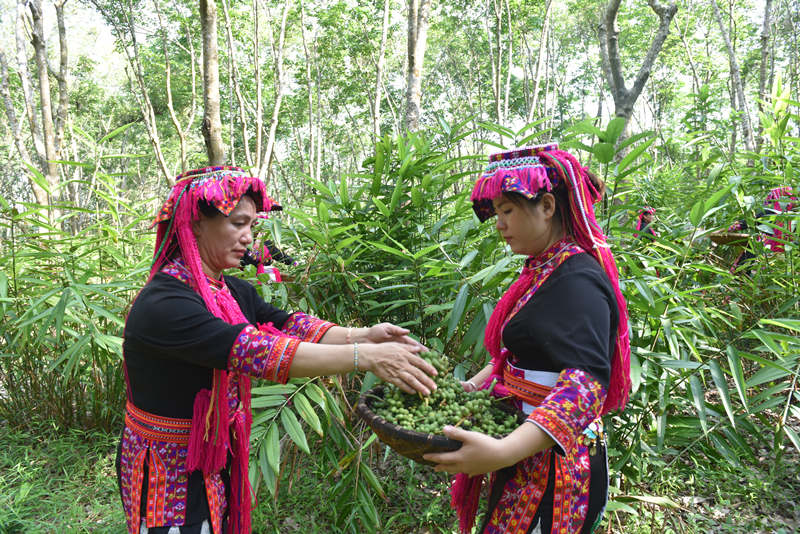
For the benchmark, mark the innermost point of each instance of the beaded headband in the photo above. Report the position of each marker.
(521, 170)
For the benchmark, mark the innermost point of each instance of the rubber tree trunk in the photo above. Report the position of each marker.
(212, 124)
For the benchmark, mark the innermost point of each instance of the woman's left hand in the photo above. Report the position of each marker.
(479, 453)
(388, 332)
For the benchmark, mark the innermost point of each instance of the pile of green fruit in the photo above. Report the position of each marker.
(448, 405)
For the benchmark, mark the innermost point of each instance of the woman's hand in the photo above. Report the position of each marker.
(479, 453)
(397, 363)
(383, 332)
(469, 386)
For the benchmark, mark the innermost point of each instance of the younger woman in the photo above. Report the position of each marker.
(559, 344)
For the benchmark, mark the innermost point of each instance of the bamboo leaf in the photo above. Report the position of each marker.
(722, 387)
(735, 364)
(698, 397)
(793, 436)
(631, 156)
(273, 448)
(307, 412)
(293, 428)
(458, 309)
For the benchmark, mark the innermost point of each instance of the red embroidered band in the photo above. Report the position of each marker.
(156, 427)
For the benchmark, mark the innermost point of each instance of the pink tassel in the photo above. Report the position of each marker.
(197, 432)
(241, 490)
(465, 494)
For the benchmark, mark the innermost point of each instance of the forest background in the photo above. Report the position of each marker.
(369, 120)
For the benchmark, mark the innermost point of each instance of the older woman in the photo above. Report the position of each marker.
(193, 340)
(565, 360)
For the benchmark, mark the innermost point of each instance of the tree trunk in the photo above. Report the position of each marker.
(542, 56)
(16, 131)
(376, 106)
(418, 11)
(237, 90)
(310, 95)
(763, 69)
(212, 124)
(736, 81)
(45, 103)
(625, 98)
(269, 150)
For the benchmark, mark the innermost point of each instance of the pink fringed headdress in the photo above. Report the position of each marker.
(778, 194)
(215, 431)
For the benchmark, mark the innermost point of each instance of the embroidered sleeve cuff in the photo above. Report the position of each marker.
(262, 354)
(573, 403)
(306, 327)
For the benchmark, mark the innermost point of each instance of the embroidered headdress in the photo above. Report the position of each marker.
(218, 427)
(530, 171)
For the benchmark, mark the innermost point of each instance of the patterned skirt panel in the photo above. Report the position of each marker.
(163, 443)
(562, 411)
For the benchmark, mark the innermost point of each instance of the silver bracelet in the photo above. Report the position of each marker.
(355, 356)
(470, 382)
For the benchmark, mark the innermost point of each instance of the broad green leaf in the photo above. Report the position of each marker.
(617, 506)
(696, 214)
(604, 152)
(293, 428)
(614, 129)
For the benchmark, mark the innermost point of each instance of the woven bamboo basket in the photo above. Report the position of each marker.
(728, 238)
(408, 443)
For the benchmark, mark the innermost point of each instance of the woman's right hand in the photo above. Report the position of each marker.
(398, 364)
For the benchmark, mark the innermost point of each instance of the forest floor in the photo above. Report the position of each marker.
(53, 481)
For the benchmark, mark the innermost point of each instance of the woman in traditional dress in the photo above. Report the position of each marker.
(559, 344)
(644, 224)
(193, 340)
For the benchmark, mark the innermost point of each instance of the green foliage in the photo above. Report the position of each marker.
(63, 297)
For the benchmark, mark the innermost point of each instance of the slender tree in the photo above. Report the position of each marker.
(212, 124)
(624, 97)
(418, 13)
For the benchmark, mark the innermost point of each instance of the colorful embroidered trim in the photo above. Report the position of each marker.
(221, 186)
(306, 327)
(565, 414)
(262, 354)
(573, 403)
(524, 390)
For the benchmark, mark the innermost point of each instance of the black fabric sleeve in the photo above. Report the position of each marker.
(255, 308)
(170, 320)
(580, 318)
